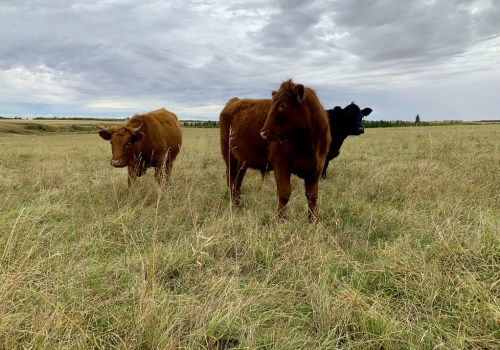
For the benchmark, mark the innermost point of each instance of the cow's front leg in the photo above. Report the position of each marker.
(312, 187)
(283, 189)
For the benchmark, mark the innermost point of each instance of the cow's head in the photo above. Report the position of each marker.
(348, 120)
(122, 143)
(285, 115)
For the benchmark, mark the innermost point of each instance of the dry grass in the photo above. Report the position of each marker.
(50, 126)
(406, 255)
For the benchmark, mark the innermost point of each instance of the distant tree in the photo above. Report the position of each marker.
(200, 124)
(417, 119)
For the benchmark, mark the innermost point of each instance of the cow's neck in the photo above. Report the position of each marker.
(303, 143)
(337, 141)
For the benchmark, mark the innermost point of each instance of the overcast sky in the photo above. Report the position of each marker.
(101, 58)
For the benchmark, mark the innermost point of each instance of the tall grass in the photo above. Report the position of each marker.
(406, 255)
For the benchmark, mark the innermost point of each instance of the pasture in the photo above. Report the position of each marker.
(406, 255)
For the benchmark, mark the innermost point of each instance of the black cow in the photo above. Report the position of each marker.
(343, 122)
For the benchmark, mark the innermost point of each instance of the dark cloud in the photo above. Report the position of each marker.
(417, 31)
(290, 29)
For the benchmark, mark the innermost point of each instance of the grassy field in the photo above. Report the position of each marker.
(37, 127)
(406, 255)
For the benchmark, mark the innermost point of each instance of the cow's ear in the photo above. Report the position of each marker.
(300, 92)
(335, 113)
(105, 134)
(274, 92)
(138, 136)
(366, 111)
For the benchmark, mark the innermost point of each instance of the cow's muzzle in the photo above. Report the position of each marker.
(117, 163)
(268, 135)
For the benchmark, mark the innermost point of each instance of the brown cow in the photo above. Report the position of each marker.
(288, 134)
(147, 140)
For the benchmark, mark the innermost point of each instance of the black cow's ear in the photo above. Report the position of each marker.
(337, 109)
(300, 92)
(366, 111)
(139, 136)
(105, 134)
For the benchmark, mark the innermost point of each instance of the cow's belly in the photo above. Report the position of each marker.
(251, 157)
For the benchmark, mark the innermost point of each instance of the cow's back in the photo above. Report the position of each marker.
(162, 132)
(240, 123)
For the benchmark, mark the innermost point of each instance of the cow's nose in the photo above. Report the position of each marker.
(115, 162)
(361, 130)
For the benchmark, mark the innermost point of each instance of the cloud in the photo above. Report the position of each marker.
(414, 31)
(36, 84)
(104, 57)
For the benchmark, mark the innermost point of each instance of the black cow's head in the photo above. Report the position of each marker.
(348, 120)
(122, 141)
(343, 123)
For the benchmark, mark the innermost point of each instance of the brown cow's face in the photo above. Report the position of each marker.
(284, 115)
(122, 142)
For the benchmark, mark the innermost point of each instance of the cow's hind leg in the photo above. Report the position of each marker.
(159, 175)
(162, 173)
(235, 172)
(169, 162)
(237, 185)
(231, 175)
(163, 168)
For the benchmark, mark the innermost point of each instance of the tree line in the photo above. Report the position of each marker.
(391, 123)
(366, 124)
(215, 124)
(200, 124)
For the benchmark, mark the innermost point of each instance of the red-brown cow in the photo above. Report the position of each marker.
(288, 134)
(147, 140)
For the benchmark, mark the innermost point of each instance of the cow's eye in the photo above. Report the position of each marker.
(127, 145)
(282, 107)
